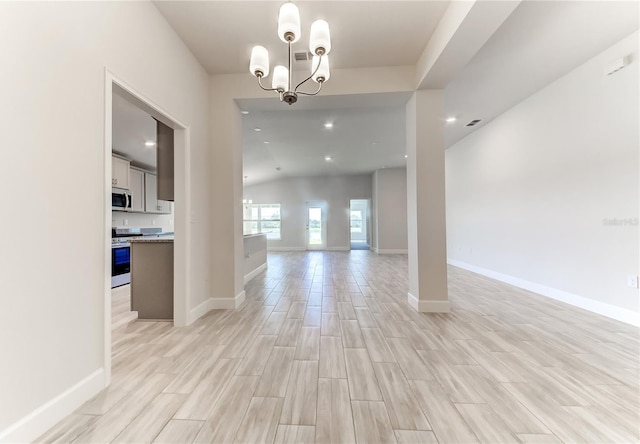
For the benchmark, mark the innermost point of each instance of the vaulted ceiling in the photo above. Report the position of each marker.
(539, 42)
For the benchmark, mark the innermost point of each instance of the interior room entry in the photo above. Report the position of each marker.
(359, 224)
(316, 225)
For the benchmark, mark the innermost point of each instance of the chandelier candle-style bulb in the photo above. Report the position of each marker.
(283, 79)
(259, 61)
(280, 78)
(320, 40)
(323, 73)
(289, 23)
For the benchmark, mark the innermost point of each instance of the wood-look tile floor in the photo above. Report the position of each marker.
(325, 349)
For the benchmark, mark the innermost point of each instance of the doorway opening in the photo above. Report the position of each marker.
(115, 89)
(359, 224)
(316, 225)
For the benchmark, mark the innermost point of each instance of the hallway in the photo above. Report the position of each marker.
(326, 349)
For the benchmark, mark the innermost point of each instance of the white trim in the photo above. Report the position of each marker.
(216, 304)
(413, 301)
(286, 248)
(254, 273)
(201, 310)
(428, 306)
(182, 207)
(601, 308)
(108, 152)
(392, 251)
(338, 248)
(239, 299)
(48, 414)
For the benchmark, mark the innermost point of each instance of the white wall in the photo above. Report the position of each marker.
(390, 214)
(293, 193)
(142, 220)
(527, 195)
(53, 121)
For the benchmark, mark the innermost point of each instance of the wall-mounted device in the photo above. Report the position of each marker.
(617, 65)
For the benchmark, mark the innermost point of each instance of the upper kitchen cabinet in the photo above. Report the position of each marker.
(136, 178)
(164, 138)
(152, 204)
(120, 173)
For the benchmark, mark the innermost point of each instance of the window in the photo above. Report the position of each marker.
(356, 221)
(262, 219)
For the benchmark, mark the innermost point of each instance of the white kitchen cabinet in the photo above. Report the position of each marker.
(152, 204)
(119, 173)
(136, 178)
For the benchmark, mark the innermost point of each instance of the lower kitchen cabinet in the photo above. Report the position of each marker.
(152, 279)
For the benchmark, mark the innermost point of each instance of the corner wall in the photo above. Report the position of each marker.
(532, 195)
(52, 285)
(390, 211)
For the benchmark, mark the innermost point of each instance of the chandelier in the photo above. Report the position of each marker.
(289, 32)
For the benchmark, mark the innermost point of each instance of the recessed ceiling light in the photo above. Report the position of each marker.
(328, 158)
(450, 119)
(257, 129)
(374, 143)
(406, 156)
(266, 141)
(149, 143)
(328, 125)
(244, 112)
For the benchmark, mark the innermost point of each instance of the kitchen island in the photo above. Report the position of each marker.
(255, 255)
(152, 277)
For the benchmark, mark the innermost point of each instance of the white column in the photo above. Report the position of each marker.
(426, 202)
(227, 273)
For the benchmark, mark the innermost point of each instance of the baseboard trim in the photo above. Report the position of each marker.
(254, 273)
(338, 248)
(286, 248)
(202, 309)
(239, 299)
(48, 414)
(601, 308)
(413, 301)
(216, 304)
(391, 251)
(428, 306)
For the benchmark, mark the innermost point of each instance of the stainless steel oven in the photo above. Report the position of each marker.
(120, 262)
(121, 252)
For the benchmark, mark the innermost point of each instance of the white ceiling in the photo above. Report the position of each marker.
(538, 43)
(363, 33)
(366, 136)
(132, 127)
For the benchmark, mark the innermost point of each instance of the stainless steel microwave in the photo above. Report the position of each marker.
(120, 199)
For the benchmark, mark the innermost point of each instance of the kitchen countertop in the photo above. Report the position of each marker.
(150, 239)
